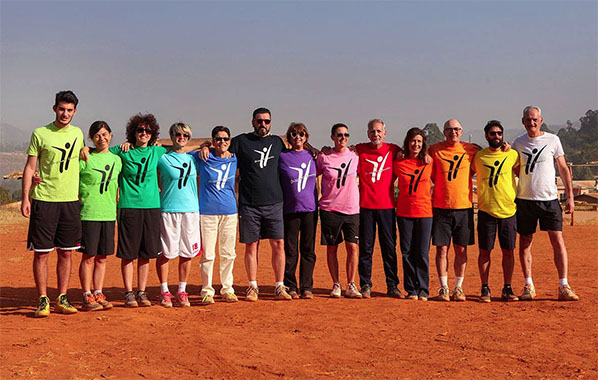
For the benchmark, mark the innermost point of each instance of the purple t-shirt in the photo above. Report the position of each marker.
(298, 181)
(339, 182)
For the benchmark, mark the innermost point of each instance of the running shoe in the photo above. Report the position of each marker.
(208, 299)
(142, 298)
(130, 300)
(294, 295)
(443, 294)
(508, 295)
(90, 303)
(412, 296)
(422, 298)
(64, 306)
(307, 294)
(567, 294)
(101, 299)
(166, 299)
(43, 309)
(280, 293)
(230, 297)
(352, 291)
(458, 294)
(394, 292)
(252, 294)
(485, 294)
(529, 293)
(183, 299)
(336, 290)
(366, 291)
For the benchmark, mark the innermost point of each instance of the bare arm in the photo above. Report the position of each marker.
(561, 165)
(26, 185)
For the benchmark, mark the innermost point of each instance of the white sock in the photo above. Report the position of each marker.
(528, 281)
(459, 281)
(253, 283)
(96, 292)
(563, 282)
(86, 293)
(182, 286)
(443, 280)
(278, 283)
(164, 287)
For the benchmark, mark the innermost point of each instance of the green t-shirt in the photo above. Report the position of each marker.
(98, 186)
(138, 180)
(57, 151)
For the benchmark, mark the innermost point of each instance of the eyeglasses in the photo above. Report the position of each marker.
(294, 134)
(221, 138)
(185, 135)
(144, 130)
(265, 121)
(495, 133)
(339, 135)
(455, 129)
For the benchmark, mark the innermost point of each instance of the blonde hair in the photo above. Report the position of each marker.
(180, 127)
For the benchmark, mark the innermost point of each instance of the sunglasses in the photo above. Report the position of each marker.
(495, 133)
(339, 135)
(294, 134)
(185, 135)
(455, 129)
(265, 121)
(144, 130)
(222, 138)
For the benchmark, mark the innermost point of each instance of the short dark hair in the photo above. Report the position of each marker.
(66, 97)
(337, 126)
(411, 134)
(96, 126)
(493, 123)
(261, 110)
(220, 128)
(149, 121)
(297, 127)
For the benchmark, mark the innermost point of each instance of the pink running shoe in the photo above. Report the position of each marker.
(183, 299)
(166, 299)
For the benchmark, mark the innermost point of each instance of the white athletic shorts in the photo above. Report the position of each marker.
(179, 233)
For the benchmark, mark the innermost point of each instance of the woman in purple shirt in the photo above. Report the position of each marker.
(298, 180)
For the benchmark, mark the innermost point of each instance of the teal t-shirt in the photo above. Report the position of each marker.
(98, 186)
(178, 178)
(57, 151)
(138, 180)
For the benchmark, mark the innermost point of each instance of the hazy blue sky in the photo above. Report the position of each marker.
(211, 63)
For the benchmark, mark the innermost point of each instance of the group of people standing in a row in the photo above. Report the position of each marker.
(163, 213)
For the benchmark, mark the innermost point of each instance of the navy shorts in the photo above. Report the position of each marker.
(487, 227)
(54, 225)
(549, 213)
(333, 223)
(260, 222)
(453, 224)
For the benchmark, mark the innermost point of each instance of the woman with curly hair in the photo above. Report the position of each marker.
(139, 205)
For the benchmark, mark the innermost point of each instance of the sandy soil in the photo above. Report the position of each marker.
(320, 338)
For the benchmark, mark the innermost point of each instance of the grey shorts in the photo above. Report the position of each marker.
(260, 222)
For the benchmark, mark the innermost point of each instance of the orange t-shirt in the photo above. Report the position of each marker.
(415, 188)
(451, 176)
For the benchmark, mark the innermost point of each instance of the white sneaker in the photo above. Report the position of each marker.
(336, 290)
(352, 291)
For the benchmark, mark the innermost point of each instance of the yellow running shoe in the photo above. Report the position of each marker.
(64, 306)
(43, 309)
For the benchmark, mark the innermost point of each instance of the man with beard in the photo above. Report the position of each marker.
(497, 189)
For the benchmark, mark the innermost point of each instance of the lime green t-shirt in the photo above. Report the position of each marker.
(98, 186)
(496, 182)
(138, 180)
(57, 151)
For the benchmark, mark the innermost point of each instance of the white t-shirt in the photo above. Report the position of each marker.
(537, 174)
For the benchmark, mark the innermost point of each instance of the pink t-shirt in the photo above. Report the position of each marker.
(340, 192)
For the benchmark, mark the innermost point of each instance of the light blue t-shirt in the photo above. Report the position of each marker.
(178, 177)
(216, 185)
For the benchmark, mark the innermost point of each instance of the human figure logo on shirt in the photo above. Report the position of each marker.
(64, 160)
(415, 177)
(141, 170)
(183, 177)
(378, 167)
(342, 174)
(532, 159)
(222, 175)
(303, 176)
(105, 177)
(264, 156)
(454, 166)
(493, 178)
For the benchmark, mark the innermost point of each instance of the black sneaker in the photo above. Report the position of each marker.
(366, 291)
(394, 292)
(485, 295)
(508, 295)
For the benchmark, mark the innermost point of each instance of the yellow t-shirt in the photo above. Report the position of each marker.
(451, 175)
(496, 181)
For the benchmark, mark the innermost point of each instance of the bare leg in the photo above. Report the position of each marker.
(251, 260)
(352, 261)
(99, 272)
(162, 268)
(278, 258)
(560, 252)
(484, 264)
(332, 258)
(142, 273)
(508, 265)
(525, 254)
(442, 260)
(40, 272)
(460, 260)
(184, 268)
(63, 270)
(127, 267)
(85, 271)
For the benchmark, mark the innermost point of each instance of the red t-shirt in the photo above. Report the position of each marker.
(376, 177)
(415, 188)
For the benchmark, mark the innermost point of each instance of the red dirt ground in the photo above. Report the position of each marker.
(304, 339)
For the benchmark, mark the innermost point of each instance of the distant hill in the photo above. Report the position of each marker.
(13, 139)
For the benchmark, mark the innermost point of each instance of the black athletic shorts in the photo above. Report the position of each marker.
(260, 222)
(455, 224)
(54, 225)
(98, 237)
(139, 233)
(487, 227)
(549, 213)
(333, 223)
